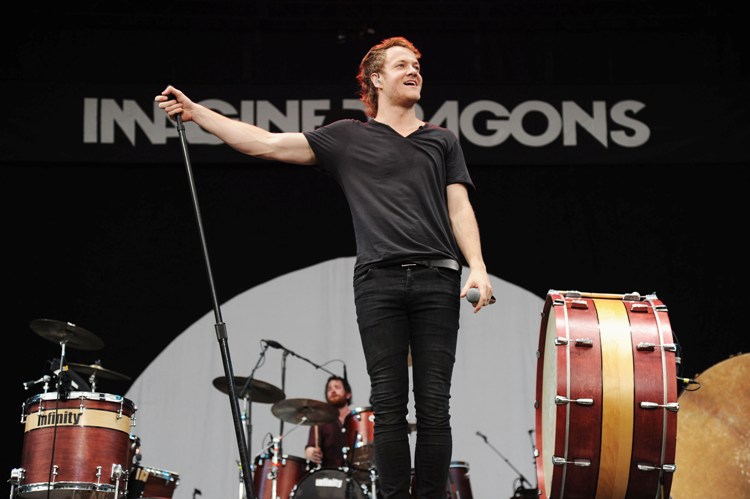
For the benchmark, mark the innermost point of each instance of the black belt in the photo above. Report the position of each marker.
(446, 263)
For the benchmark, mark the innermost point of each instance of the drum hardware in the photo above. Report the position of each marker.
(559, 461)
(672, 406)
(258, 391)
(650, 347)
(652, 467)
(579, 342)
(45, 379)
(276, 473)
(521, 479)
(560, 400)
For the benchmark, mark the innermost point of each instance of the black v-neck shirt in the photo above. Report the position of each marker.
(395, 186)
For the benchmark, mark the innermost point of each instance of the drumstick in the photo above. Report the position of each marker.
(316, 436)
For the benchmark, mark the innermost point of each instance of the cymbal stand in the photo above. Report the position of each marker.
(283, 374)
(219, 326)
(63, 378)
(276, 452)
(246, 392)
(283, 389)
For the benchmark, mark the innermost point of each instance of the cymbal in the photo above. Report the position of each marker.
(97, 370)
(296, 410)
(74, 336)
(261, 391)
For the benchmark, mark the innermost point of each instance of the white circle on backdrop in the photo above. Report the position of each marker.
(185, 424)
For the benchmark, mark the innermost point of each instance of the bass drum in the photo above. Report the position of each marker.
(328, 483)
(713, 436)
(606, 397)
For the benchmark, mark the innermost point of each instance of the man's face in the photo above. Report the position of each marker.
(336, 393)
(400, 76)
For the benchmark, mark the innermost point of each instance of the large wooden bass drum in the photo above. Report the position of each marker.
(606, 397)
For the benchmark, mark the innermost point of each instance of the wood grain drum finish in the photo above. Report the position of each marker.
(606, 397)
(77, 446)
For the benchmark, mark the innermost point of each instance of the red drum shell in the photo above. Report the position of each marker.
(89, 434)
(595, 436)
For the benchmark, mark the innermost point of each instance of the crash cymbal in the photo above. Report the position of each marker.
(97, 370)
(310, 411)
(261, 391)
(74, 336)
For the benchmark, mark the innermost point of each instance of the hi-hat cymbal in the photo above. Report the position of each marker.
(97, 370)
(306, 411)
(73, 336)
(261, 391)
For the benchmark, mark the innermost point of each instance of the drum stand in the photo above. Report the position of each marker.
(373, 483)
(275, 459)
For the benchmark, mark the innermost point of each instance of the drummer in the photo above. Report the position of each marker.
(326, 442)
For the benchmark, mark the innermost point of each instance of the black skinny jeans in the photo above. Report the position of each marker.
(398, 308)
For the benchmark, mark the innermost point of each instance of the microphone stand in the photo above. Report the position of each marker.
(520, 475)
(283, 372)
(219, 326)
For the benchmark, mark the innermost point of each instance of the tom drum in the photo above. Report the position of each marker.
(77, 446)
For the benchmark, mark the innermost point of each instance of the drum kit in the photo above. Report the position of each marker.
(78, 442)
(284, 476)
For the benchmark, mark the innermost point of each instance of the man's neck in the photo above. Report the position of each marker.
(344, 412)
(402, 120)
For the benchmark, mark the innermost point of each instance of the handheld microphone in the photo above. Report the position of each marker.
(274, 344)
(473, 296)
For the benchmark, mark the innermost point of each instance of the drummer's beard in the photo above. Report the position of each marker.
(338, 401)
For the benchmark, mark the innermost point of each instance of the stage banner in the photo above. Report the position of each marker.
(497, 125)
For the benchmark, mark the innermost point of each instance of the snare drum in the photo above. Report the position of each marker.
(89, 435)
(152, 482)
(606, 396)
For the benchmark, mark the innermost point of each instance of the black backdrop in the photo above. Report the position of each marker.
(114, 247)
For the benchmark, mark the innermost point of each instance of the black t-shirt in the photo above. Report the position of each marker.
(395, 186)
